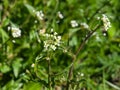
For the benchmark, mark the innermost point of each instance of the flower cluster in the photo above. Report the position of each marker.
(74, 23)
(106, 22)
(52, 40)
(39, 14)
(16, 32)
(84, 25)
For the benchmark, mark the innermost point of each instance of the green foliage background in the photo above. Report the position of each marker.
(99, 60)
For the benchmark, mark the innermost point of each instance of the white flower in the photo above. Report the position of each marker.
(98, 18)
(59, 37)
(9, 28)
(104, 34)
(33, 65)
(82, 74)
(52, 41)
(47, 35)
(84, 25)
(73, 23)
(55, 33)
(13, 41)
(16, 32)
(106, 22)
(40, 15)
(51, 35)
(60, 15)
(51, 30)
(46, 45)
(53, 47)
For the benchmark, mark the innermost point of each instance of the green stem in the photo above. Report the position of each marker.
(49, 75)
(70, 74)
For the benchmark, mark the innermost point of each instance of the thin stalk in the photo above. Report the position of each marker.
(104, 80)
(49, 75)
(70, 74)
(97, 11)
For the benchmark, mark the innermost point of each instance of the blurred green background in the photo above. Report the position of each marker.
(97, 66)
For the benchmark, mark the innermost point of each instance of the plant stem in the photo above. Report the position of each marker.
(70, 74)
(49, 76)
(97, 11)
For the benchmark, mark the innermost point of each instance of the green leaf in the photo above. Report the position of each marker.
(33, 86)
(5, 22)
(73, 42)
(12, 85)
(111, 32)
(4, 35)
(5, 68)
(16, 67)
(30, 9)
(73, 31)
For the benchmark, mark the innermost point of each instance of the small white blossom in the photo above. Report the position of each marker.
(40, 15)
(46, 45)
(55, 33)
(51, 30)
(13, 41)
(53, 47)
(74, 23)
(106, 22)
(52, 41)
(51, 35)
(59, 37)
(104, 34)
(33, 65)
(98, 18)
(84, 25)
(82, 74)
(9, 28)
(35, 21)
(60, 15)
(47, 35)
(16, 32)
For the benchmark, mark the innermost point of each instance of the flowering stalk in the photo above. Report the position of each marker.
(48, 59)
(49, 75)
(76, 54)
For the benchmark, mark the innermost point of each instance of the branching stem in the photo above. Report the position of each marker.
(76, 54)
(49, 76)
